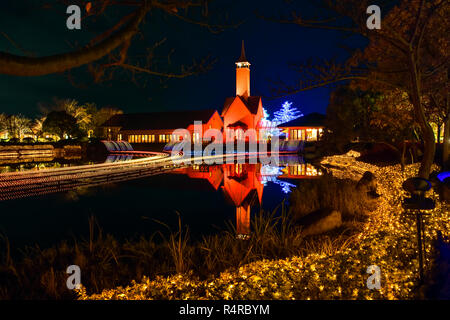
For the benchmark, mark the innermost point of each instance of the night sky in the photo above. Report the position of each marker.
(270, 46)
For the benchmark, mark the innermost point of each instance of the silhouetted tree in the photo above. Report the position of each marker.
(109, 51)
(100, 117)
(397, 56)
(61, 123)
(348, 116)
(367, 116)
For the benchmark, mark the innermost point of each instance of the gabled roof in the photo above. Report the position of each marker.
(238, 124)
(251, 103)
(314, 119)
(158, 120)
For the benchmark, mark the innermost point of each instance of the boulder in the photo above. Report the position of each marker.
(367, 183)
(320, 221)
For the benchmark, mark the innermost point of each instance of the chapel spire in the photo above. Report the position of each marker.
(243, 75)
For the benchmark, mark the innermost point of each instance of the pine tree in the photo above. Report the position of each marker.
(286, 113)
(269, 127)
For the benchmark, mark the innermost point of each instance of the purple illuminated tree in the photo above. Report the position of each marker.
(286, 113)
(268, 127)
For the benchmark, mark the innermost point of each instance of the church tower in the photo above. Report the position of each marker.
(243, 75)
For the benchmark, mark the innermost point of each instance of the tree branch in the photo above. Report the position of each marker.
(38, 66)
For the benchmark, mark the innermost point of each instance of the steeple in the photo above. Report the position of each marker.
(242, 58)
(243, 75)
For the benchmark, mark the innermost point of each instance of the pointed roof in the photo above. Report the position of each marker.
(252, 103)
(238, 124)
(242, 57)
(313, 119)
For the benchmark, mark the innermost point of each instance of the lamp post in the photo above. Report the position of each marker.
(415, 205)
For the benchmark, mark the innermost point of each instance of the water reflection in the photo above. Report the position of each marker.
(52, 163)
(243, 184)
(118, 158)
(41, 164)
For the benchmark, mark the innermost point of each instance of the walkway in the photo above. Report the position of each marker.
(15, 185)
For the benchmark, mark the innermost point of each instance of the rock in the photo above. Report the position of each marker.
(353, 154)
(367, 183)
(321, 221)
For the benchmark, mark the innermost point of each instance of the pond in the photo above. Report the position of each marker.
(208, 198)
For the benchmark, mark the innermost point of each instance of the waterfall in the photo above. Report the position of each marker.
(114, 146)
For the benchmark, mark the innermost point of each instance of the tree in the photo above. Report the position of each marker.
(342, 118)
(3, 119)
(109, 51)
(348, 116)
(37, 126)
(286, 113)
(383, 117)
(100, 117)
(268, 127)
(79, 112)
(396, 57)
(62, 124)
(392, 122)
(17, 126)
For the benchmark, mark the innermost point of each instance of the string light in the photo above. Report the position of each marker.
(388, 239)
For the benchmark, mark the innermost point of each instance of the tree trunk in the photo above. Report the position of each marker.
(425, 128)
(402, 157)
(439, 133)
(446, 144)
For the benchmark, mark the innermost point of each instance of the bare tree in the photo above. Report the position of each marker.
(110, 50)
(395, 58)
(17, 126)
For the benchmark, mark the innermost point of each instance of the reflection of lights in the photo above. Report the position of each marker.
(302, 170)
(443, 175)
(386, 239)
(243, 236)
(268, 170)
(285, 186)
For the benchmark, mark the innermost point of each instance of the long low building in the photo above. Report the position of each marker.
(307, 128)
(158, 127)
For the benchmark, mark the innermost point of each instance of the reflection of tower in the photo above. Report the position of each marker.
(243, 188)
(243, 220)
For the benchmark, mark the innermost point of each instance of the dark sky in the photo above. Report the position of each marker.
(270, 46)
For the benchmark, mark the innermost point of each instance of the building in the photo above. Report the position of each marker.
(158, 127)
(239, 114)
(306, 128)
(242, 111)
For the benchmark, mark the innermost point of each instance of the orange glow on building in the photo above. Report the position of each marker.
(243, 75)
(243, 187)
(242, 112)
